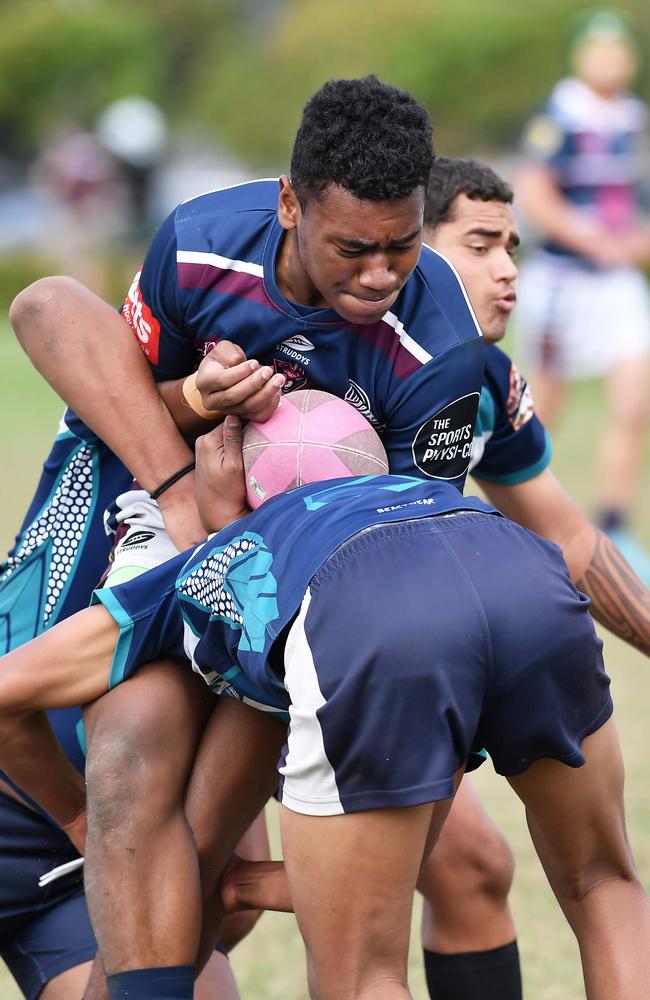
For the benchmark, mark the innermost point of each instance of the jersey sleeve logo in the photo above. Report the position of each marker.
(140, 317)
(520, 400)
(442, 448)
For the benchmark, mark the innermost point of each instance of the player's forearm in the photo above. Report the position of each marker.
(620, 601)
(255, 885)
(89, 355)
(33, 759)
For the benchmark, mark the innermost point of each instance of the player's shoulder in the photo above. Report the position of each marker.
(250, 196)
(434, 306)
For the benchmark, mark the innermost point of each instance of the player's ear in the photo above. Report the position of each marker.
(289, 210)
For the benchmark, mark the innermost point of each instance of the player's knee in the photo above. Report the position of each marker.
(114, 784)
(36, 304)
(127, 781)
(478, 867)
(575, 884)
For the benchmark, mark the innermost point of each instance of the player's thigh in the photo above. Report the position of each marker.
(351, 879)
(130, 731)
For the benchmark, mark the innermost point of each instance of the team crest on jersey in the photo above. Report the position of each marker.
(140, 317)
(206, 346)
(519, 405)
(294, 373)
(359, 399)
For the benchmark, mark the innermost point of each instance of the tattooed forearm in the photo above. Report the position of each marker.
(620, 601)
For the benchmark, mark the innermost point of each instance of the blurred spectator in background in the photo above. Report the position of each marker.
(584, 303)
(134, 131)
(83, 203)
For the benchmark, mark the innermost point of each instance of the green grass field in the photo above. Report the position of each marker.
(270, 963)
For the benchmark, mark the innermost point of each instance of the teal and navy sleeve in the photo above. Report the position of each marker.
(511, 444)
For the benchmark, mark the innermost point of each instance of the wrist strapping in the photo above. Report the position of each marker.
(192, 398)
(172, 479)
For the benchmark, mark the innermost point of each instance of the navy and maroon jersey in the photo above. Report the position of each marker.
(416, 375)
(596, 151)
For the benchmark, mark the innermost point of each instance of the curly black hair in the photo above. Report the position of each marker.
(366, 136)
(451, 177)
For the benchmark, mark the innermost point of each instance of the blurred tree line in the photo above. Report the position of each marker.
(240, 70)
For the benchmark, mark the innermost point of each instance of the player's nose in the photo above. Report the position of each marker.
(505, 268)
(378, 279)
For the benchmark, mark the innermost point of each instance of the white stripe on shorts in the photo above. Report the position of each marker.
(309, 779)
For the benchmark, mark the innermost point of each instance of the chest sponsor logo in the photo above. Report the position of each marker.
(359, 398)
(442, 448)
(519, 404)
(139, 316)
(296, 347)
(294, 373)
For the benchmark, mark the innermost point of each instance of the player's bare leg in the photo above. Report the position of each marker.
(352, 879)
(465, 882)
(142, 878)
(468, 935)
(627, 386)
(577, 822)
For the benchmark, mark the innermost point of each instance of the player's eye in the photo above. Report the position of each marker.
(350, 253)
(478, 248)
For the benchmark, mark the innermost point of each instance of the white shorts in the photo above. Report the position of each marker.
(577, 322)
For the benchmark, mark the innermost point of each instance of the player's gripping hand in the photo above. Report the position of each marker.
(220, 484)
(232, 383)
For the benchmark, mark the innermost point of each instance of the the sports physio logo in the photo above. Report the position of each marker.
(442, 448)
(139, 316)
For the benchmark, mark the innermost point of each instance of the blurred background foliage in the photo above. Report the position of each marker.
(242, 69)
(234, 75)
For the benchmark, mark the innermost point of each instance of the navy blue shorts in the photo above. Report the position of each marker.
(420, 642)
(43, 932)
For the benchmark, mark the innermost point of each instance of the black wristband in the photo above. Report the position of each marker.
(172, 479)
